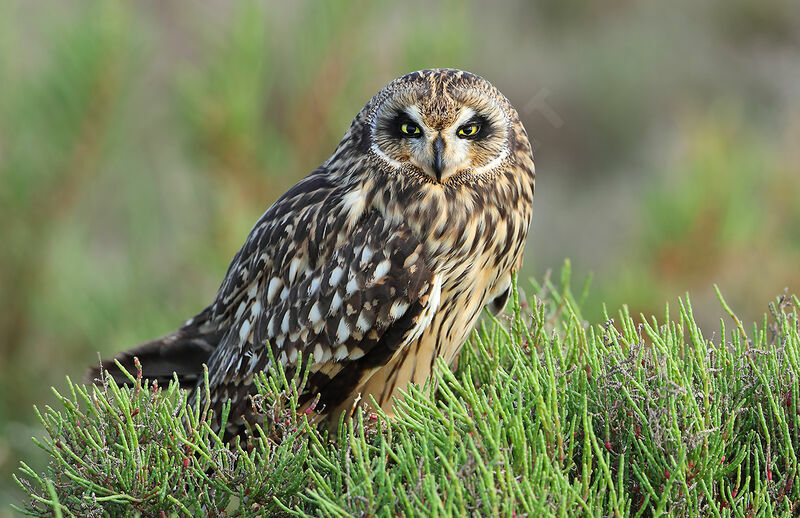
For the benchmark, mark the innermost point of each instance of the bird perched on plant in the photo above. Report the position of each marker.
(378, 262)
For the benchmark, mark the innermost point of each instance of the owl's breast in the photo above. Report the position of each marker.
(469, 229)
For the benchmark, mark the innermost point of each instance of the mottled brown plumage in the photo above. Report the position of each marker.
(378, 262)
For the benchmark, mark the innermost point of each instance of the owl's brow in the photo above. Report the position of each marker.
(467, 113)
(413, 113)
(397, 117)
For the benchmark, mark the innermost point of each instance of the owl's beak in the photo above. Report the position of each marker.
(438, 159)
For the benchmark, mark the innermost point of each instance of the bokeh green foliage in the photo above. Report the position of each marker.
(140, 141)
(730, 211)
(545, 415)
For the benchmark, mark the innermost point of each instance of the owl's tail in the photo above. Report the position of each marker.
(182, 352)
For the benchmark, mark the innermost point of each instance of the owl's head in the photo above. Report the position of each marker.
(443, 123)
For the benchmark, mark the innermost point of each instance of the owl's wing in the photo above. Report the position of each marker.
(348, 309)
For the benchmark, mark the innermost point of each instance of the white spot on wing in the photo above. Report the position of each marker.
(273, 324)
(244, 330)
(318, 353)
(240, 309)
(342, 332)
(294, 267)
(398, 309)
(381, 270)
(341, 353)
(356, 353)
(256, 309)
(313, 286)
(336, 303)
(314, 315)
(352, 286)
(336, 276)
(366, 255)
(362, 324)
(285, 323)
(274, 284)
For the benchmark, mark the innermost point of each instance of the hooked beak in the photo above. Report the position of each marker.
(438, 160)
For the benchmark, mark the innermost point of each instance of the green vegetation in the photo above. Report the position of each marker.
(544, 416)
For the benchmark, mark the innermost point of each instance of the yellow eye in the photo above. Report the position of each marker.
(469, 130)
(410, 129)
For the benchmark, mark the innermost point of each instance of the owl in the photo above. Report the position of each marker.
(374, 265)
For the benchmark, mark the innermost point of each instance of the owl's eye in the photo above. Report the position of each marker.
(469, 130)
(410, 129)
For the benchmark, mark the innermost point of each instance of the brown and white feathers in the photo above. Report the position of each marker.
(378, 262)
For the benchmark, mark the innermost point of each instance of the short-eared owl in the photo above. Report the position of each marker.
(378, 262)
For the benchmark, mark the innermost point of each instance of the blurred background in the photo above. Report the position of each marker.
(139, 141)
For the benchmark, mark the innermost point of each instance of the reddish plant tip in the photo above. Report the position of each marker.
(723, 459)
(735, 492)
(186, 462)
(373, 416)
(250, 447)
(666, 473)
(135, 412)
(163, 514)
(608, 446)
(308, 411)
(769, 475)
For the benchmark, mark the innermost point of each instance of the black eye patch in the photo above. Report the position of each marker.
(477, 128)
(401, 125)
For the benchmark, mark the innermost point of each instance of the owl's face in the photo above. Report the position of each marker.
(441, 123)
